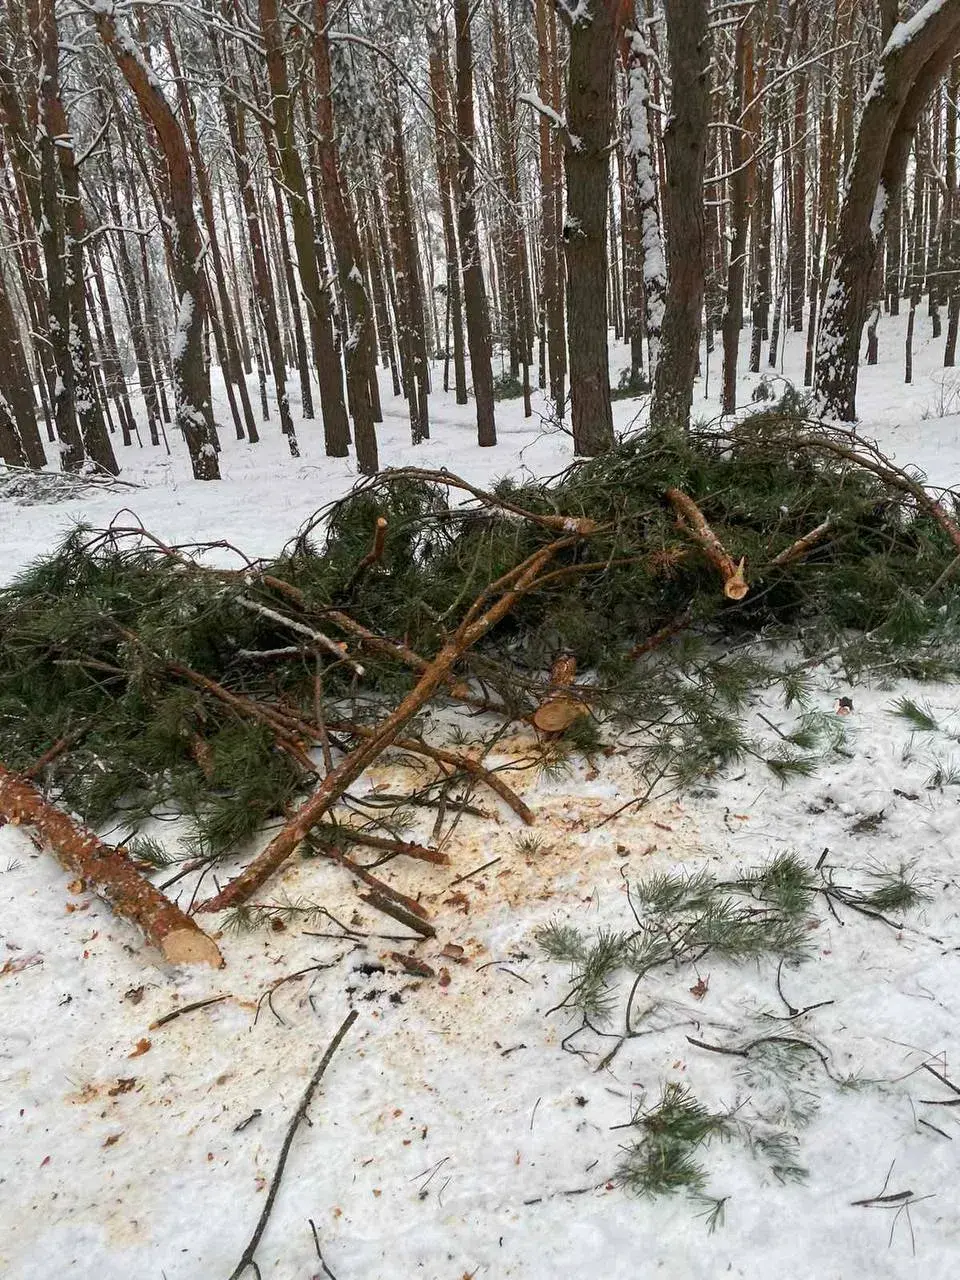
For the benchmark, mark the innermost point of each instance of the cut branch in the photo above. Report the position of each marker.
(511, 587)
(109, 873)
(691, 521)
(798, 549)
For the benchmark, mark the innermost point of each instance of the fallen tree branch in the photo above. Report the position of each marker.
(690, 520)
(339, 650)
(397, 848)
(396, 912)
(416, 746)
(373, 556)
(881, 466)
(246, 1259)
(512, 586)
(802, 545)
(109, 873)
(581, 525)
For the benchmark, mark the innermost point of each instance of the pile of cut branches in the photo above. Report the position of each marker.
(140, 679)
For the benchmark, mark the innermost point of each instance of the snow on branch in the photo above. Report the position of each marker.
(530, 99)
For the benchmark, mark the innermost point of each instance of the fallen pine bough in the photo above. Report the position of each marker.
(109, 873)
(139, 678)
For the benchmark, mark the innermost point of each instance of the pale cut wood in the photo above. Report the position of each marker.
(108, 873)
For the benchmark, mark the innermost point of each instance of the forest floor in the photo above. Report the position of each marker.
(453, 1136)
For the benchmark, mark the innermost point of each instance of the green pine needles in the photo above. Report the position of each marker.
(682, 920)
(663, 1159)
(105, 644)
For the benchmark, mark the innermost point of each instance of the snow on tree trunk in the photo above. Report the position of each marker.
(914, 59)
(191, 378)
(638, 148)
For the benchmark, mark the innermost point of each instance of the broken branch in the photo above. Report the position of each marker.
(109, 873)
(690, 520)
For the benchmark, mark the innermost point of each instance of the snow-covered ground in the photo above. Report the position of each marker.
(453, 1136)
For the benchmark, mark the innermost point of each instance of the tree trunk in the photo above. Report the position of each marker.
(411, 320)
(474, 293)
(741, 159)
(550, 199)
(261, 271)
(595, 31)
(191, 379)
(685, 145)
(446, 168)
(915, 58)
(360, 361)
(110, 874)
(336, 428)
(639, 151)
(77, 407)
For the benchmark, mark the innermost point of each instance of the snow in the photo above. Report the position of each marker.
(451, 1127)
(908, 30)
(879, 212)
(178, 341)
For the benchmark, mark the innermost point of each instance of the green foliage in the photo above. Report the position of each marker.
(506, 386)
(630, 386)
(663, 1159)
(95, 637)
(682, 917)
(898, 889)
(916, 714)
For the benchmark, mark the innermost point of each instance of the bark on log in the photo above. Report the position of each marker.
(109, 873)
(690, 520)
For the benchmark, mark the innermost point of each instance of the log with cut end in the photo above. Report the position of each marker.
(108, 873)
(691, 520)
(561, 707)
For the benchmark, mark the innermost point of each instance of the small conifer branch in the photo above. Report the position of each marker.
(339, 650)
(863, 454)
(690, 520)
(55, 751)
(246, 1259)
(798, 549)
(396, 912)
(581, 525)
(456, 760)
(399, 848)
(248, 708)
(401, 652)
(373, 556)
(373, 882)
(109, 873)
(661, 635)
(513, 586)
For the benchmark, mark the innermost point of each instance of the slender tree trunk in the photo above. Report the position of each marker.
(411, 316)
(595, 31)
(685, 145)
(360, 361)
(232, 367)
(336, 429)
(550, 205)
(474, 294)
(78, 411)
(639, 151)
(739, 207)
(446, 169)
(909, 71)
(191, 378)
